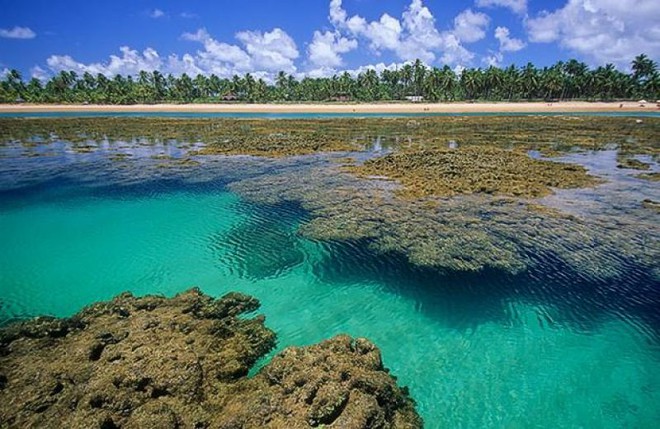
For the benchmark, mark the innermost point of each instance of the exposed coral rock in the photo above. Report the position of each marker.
(654, 177)
(266, 137)
(632, 163)
(153, 362)
(470, 170)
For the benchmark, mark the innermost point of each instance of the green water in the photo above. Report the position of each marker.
(472, 357)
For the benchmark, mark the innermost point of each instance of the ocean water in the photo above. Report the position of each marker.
(476, 350)
(268, 115)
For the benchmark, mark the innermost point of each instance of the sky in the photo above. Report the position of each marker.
(316, 38)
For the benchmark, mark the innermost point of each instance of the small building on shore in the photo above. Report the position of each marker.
(414, 98)
(230, 96)
(341, 97)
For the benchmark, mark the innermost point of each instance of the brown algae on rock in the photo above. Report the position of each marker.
(653, 177)
(183, 362)
(459, 233)
(472, 170)
(283, 137)
(632, 163)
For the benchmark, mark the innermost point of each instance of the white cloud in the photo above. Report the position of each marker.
(325, 49)
(470, 26)
(337, 13)
(270, 51)
(329, 71)
(494, 60)
(455, 53)
(218, 57)
(415, 35)
(601, 30)
(156, 13)
(131, 62)
(263, 55)
(18, 33)
(507, 43)
(187, 64)
(39, 73)
(188, 15)
(517, 6)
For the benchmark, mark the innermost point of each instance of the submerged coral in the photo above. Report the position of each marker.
(183, 362)
(460, 233)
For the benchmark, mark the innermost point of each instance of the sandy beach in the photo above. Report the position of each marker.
(557, 107)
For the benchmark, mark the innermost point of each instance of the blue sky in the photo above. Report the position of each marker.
(318, 37)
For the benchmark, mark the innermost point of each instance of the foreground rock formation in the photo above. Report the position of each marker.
(154, 362)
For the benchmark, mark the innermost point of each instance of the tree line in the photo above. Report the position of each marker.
(571, 80)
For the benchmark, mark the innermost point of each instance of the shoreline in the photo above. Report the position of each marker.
(504, 107)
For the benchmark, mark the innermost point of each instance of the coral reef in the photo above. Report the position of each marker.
(554, 134)
(183, 363)
(471, 170)
(653, 177)
(632, 163)
(460, 233)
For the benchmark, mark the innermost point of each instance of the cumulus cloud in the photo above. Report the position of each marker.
(270, 51)
(156, 13)
(517, 6)
(18, 33)
(219, 57)
(329, 71)
(39, 73)
(129, 63)
(507, 43)
(415, 35)
(325, 49)
(601, 30)
(470, 26)
(455, 53)
(493, 60)
(262, 54)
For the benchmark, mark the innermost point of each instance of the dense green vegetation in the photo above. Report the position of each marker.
(563, 81)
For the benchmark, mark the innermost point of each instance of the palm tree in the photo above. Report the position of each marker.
(652, 86)
(34, 91)
(643, 67)
(471, 82)
(419, 72)
(552, 82)
(529, 79)
(15, 84)
(406, 74)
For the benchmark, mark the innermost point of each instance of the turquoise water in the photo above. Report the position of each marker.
(266, 115)
(479, 350)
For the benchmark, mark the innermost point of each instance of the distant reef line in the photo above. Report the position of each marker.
(346, 108)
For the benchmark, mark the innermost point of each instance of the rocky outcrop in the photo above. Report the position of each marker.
(183, 362)
(476, 170)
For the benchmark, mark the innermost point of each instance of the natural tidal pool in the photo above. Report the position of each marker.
(543, 345)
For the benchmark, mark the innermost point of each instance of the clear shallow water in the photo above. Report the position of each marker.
(266, 115)
(486, 350)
